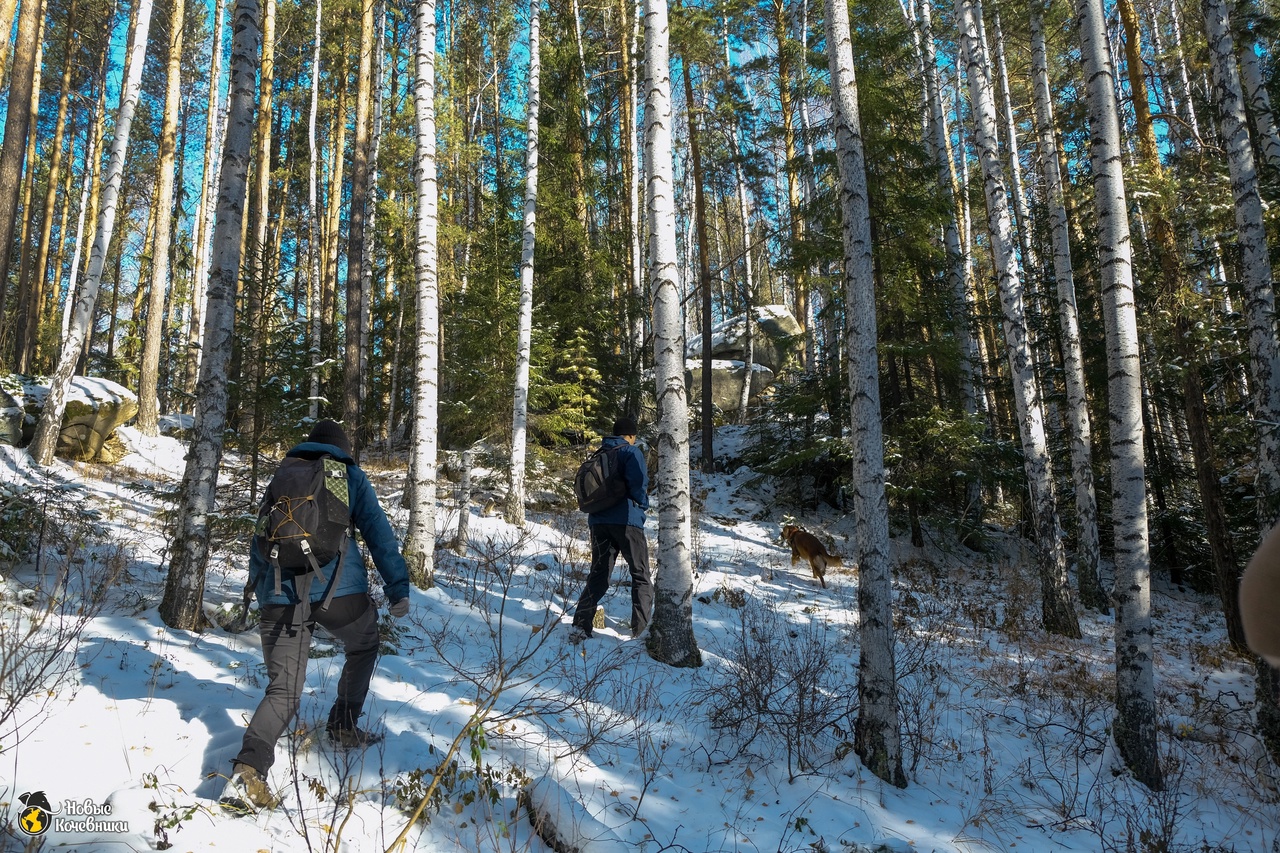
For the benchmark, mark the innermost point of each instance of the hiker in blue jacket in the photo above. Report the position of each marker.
(619, 530)
(287, 623)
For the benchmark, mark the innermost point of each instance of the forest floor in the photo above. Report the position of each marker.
(1005, 728)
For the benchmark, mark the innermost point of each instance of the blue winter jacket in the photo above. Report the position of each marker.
(636, 474)
(372, 523)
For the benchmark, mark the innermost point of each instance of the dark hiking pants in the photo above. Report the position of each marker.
(607, 542)
(286, 646)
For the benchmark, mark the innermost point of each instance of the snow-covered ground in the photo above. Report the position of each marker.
(1004, 727)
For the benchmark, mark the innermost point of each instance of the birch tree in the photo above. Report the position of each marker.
(1136, 717)
(149, 378)
(520, 413)
(671, 640)
(1080, 428)
(877, 738)
(184, 588)
(1057, 608)
(1259, 312)
(205, 212)
(45, 441)
(315, 315)
(1255, 264)
(419, 548)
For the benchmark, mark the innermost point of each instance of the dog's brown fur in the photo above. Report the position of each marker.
(805, 545)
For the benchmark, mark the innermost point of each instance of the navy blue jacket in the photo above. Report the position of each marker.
(629, 511)
(372, 523)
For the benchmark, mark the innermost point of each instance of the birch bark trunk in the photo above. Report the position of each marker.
(184, 588)
(520, 414)
(1080, 428)
(1260, 307)
(1057, 607)
(671, 639)
(877, 738)
(419, 549)
(45, 440)
(315, 315)
(1136, 717)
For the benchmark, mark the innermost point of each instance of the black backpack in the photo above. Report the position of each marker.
(600, 483)
(305, 520)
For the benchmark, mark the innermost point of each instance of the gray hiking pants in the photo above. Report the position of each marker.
(607, 542)
(286, 646)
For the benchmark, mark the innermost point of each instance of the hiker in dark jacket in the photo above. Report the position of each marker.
(619, 530)
(287, 623)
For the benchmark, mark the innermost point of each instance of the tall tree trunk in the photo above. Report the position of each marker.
(1081, 430)
(16, 124)
(257, 285)
(214, 130)
(371, 201)
(149, 379)
(671, 640)
(704, 267)
(1022, 210)
(1255, 90)
(1136, 714)
(520, 413)
(419, 548)
(877, 738)
(1254, 258)
(939, 142)
(7, 9)
(315, 251)
(184, 587)
(30, 311)
(1057, 606)
(633, 173)
(795, 221)
(50, 426)
(88, 199)
(351, 402)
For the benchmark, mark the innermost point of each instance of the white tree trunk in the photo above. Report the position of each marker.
(214, 132)
(315, 316)
(184, 588)
(46, 437)
(1068, 317)
(1260, 305)
(149, 378)
(524, 341)
(1136, 718)
(1260, 104)
(877, 738)
(671, 638)
(1056, 605)
(420, 543)
(90, 158)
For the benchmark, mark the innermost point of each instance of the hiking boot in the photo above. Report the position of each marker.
(247, 791)
(577, 634)
(353, 738)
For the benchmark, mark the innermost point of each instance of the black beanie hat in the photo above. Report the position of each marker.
(328, 432)
(625, 425)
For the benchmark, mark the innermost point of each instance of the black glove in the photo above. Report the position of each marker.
(400, 609)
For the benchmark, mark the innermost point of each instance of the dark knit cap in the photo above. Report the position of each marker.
(328, 432)
(625, 425)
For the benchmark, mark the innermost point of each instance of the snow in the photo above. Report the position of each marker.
(1005, 727)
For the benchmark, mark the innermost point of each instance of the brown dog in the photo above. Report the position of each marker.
(805, 545)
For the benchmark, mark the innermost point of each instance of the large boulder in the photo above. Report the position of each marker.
(726, 382)
(94, 408)
(775, 339)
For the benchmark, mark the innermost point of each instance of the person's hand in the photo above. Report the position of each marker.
(400, 609)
